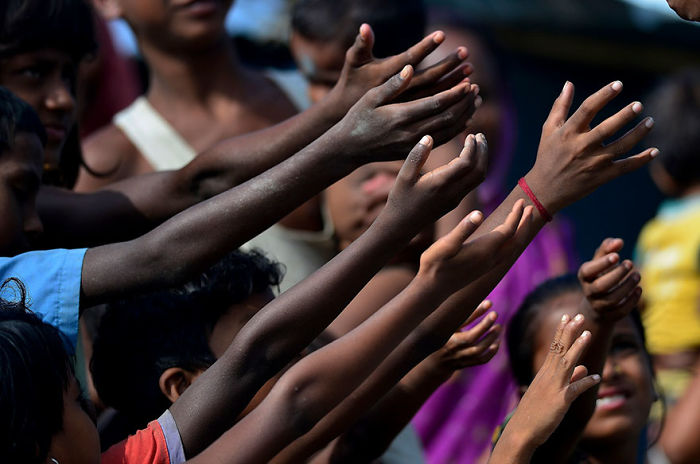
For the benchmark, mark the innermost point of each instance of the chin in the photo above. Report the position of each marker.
(612, 429)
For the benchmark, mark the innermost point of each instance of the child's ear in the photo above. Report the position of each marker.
(108, 9)
(175, 380)
(663, 180)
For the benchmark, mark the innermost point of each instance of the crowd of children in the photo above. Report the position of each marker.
(218, 275)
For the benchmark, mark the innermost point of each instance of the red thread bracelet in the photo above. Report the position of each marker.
(526, 188)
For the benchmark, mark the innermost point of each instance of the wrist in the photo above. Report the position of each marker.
(542, 189)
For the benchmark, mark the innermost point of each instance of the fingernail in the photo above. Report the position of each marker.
(654, 153)
(578, 318)
(586, 333)
(596, 377)
(565, 318)
(481, 138)
(649, 123)
(565, 85)
(467, 70)
(476, 217)
(476, 89)
(438, 37)
(616, 86)
(425, 140)
(612, 258)
(461, 53)
(405, 71)
(637, 107)
(636, 277)
(478, 101)
(628, 265)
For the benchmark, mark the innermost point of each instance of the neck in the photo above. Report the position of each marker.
(191, 76)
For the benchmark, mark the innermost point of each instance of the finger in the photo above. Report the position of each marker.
(392, 88)
(613, 280)
(476, 349)
(417, 52)
(578, 346)
(478, 331)
(487, 355)
(632, 163)
(630, 302)
(579, 373)
(560, 108)
(625, 289)
(571, 332)
(453, 120)
(411, 168)
(361, 51)
(416, 110)
(608, 245)
(478, 312)
(590, 107)
(630, 139)
(576, 389)
(441, 69)
(591, 270)
(482, 153)
(510, 225)
(456, 237)
(556, 348)
(427, 89)
(614, 123)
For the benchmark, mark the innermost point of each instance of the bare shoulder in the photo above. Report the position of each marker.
(109, 157)
(271, 101)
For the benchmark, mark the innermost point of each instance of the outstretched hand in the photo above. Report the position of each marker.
(573, 159)
(362, 71)
(611, 288)
(453, 261)
(558, 383)
(375, 129)
(436, 192)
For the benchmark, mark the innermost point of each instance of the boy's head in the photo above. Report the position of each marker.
(171, 25)
(676, 109)
(41, 44)
(21, 139)
(42, 411)
(174, 336)
(322, 31)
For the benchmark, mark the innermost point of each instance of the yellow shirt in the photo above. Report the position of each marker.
(669, 259)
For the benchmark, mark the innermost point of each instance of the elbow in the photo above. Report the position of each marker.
(300, 408)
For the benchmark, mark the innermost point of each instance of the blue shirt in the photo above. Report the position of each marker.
(52, 279)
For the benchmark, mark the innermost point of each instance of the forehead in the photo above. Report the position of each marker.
(318, 60)
(25, 155)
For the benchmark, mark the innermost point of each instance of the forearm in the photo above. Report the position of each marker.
(512, 449)
(317, 383)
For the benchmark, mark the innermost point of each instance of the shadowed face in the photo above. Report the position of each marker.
(686, 9)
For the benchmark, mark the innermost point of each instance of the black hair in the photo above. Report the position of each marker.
(520, 336)
(35, 370)
(139, 338)
(397, 24)
(675, 105)
(17, 116)
(28, 25)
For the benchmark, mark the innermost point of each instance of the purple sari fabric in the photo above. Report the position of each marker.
(457, 422)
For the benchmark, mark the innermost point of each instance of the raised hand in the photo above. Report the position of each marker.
(362, 71)
(375, 130)
(557, 384)
(452, 261)
(436, 192)
(573, 159)
(611, 288)
(471, 347)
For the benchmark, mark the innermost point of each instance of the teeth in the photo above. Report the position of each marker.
(609, 399)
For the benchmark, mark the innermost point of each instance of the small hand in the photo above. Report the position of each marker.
(471, 347)
(434, 193)
(362, 71)
(611, 288)
(572, 159)
(378, 131)
(557, 384)
(452, 262)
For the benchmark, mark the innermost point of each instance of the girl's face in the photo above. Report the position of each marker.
(625, 394)
(45, 78)
(78, 441)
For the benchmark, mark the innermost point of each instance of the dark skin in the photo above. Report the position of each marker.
(131, 207)
(576, 154)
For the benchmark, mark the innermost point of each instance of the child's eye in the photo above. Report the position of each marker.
(32, 72)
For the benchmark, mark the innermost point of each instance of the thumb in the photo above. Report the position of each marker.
(392, 88)
(410, 171)
(361, 51)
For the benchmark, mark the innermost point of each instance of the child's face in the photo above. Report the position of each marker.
(20, 177)
(625, 394)
(45, 79)
(320, 63)
(173, 24)
(78, 441)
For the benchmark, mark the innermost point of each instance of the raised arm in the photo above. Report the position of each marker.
(317, 383)
(129, 208)
(266, 343)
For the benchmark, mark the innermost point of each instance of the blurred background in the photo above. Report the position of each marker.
(539, 45)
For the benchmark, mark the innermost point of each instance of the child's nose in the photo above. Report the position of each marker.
(60, 98)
